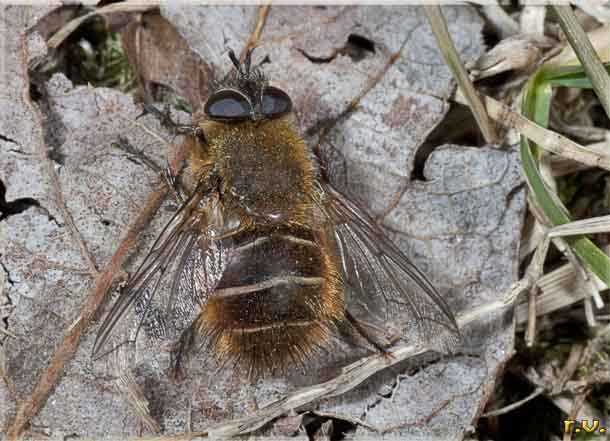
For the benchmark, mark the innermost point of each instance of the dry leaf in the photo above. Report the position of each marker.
(368, 109)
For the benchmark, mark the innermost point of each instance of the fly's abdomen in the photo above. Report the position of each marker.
(278, 299)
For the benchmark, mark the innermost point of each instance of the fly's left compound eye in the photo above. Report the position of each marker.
(275, 102)
(228, 105)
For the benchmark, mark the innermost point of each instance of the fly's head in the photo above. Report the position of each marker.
(246, 95)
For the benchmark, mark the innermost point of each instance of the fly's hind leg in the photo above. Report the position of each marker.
(182, 351)
(361, 331)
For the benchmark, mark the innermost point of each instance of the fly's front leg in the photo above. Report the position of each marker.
(169, 177)
(123, 144)
(165, 119)
(194, 131)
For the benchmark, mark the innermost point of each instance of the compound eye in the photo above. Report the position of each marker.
(228, 104)
(275, 102)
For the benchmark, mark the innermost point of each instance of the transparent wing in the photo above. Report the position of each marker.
(177, 252)
(382, 283)
(199, 272)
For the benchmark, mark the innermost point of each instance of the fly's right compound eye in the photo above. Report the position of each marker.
(228, 105)
(276, 102)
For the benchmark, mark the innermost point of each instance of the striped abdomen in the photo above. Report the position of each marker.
(279, 298)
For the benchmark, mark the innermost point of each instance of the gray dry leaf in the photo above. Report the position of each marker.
(461, 225)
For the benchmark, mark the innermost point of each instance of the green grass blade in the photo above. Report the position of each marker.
(536, 106)
(591, 256)
(570, 76)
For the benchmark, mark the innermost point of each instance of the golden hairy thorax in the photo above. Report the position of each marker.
(267, 173)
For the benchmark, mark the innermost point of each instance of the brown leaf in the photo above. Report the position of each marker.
(160, 56)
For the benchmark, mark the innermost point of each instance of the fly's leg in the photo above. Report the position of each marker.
(179, 356)
(172, 180)
(368, 336)
(124, 144)
(165, 119)
(182, 351)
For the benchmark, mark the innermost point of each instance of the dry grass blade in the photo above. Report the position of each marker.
(593, 225)
(439, 28)
(595, 8)
(599, 38)
(544, 138)
(513, 406)
(499, 19)
(563, 166)
(7, 333)
(559, 289)
(130, 6)
(584, 281)
(586, 54)
(509, 54)
(534, 271)
(127, 385)
(532, 18)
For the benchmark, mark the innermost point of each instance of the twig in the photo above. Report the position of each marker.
(420, 421)
(544, 138)
(263, 12)
(515, 405)
(576, 353)
(67, 348)
(439, 28)
(586, 54)
(7, 333)
(530, 331)
(533, 274)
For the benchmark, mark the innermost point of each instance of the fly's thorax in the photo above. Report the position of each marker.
(200, 162)
(266, 171)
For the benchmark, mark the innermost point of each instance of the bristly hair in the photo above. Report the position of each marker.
(245, 77)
